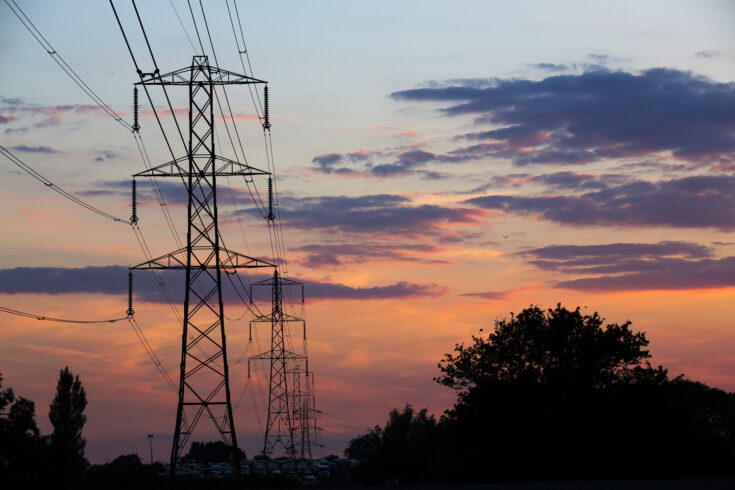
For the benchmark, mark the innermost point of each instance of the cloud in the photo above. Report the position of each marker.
(326, 163)
(380, 214)
(52, 115)
(691, 202)
(488, 295)
(614, 252)
(7, 119)
(15, 130)
(181, 111)
(595, 115)
(551, 66)
(57, 280)
(34, 149)
(113, 280)
(599, 58)
(336, 254)
(707, 53)
(401, 162)
(669, 265)
(106, 155)
(406, 163)
(402, 289)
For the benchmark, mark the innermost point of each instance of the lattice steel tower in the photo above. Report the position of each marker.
(286, 428)
(204, 385)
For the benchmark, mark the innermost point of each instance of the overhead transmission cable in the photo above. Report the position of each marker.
(30, 171)
(11, 311)
(46, 45)
(182, 26)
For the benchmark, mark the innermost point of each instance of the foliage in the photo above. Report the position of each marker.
(212, 452)
(407, 448)
(20, 443)
(557, 394)
(66, 414)
(559, 348)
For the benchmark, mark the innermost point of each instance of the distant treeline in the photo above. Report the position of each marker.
(554, 395)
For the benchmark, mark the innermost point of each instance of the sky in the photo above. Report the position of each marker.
(439, 166)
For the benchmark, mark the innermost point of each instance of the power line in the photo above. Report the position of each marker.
(36, 316)
(30, 171)
(182, 26)
(46, 45)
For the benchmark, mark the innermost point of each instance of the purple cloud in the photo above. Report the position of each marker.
(34, 149)
(113, 280)
(597, 114)
(694, 202)
(320, 255)
(670, 265)
(382, 214)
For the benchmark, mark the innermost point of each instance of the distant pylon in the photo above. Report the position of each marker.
(204, 385)
(282, 430)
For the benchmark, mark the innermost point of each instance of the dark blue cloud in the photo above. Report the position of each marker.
(327, 162)
(597, 114)
(34, 149)
(112, 280)
(571, 180)
(334, 254)
(384, 214)
(614, 252)
(669, 265)
(696, 202)
(56, 280)
(551, 66)
(667, 275)
(402, 289)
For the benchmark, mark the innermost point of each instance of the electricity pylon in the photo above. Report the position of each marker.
(204, 385)
(284, 423)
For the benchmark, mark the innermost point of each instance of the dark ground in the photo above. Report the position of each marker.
(725, 483)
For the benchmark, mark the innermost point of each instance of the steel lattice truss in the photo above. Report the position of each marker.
(283, 418)
(204, 387)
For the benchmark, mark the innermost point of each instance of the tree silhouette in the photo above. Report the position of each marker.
(20, 443)
(558, 394)
(559, 348)
(213, 452)
(408, 448)
(67, 417)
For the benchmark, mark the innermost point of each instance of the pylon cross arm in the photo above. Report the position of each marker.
(228, 260)
(224, 168)
(268, 355)
(183, 76)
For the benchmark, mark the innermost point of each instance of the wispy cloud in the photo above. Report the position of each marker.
(34, 149)
(707, 53)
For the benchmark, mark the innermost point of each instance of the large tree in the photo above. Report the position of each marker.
(67, 417)
(408, 448)
(558, 347)
(21, 446)
(558, 393)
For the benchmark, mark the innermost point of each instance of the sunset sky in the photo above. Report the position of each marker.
(440, 165)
